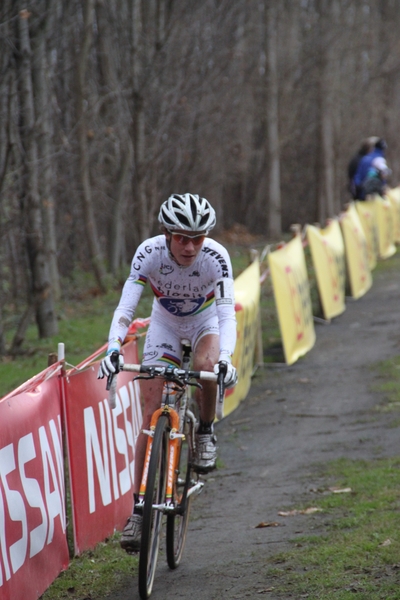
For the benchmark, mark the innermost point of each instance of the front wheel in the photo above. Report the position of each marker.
(177, 523)
(152, 517)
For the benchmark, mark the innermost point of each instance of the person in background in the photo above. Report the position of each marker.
(367, 146)
(372, 172)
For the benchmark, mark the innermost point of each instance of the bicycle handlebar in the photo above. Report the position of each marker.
(156, 371)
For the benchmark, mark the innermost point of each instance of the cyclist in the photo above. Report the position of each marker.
(191, 277)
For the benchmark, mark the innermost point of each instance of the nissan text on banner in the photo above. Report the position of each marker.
(292, 299)
(33, 539)
(327, 252)
(359, 273)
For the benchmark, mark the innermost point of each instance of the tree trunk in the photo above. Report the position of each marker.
(42, 93)
(123, 144)
(138, 117)
(5, 83)
(21, 330)
(41, 288)
(88, 210)
(325, 153)
(117, 255)
(274, 183)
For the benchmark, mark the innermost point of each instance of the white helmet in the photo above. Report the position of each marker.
(188, 212)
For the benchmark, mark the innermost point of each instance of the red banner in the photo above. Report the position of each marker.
(33, 544)
(101, 445)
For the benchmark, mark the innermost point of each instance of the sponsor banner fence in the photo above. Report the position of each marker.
(327, 252)
(292, 299)
(32, 493)
(247, 297)
(358, 270)
(101, 444)
(394, 197)
(385, 220)
(367, 215)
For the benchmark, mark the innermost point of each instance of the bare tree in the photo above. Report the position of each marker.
(274, 203)
(325, 156)
(96, 254)
(42, 296)
(42, 76)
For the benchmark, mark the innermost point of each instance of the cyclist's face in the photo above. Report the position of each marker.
(184, 247)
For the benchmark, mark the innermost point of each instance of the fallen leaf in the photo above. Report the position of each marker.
(309, 511)
(336, 490)
(386, 543)
(267, 524)
(305, 511)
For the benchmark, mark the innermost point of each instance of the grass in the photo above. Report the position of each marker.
(94, 572)
(357, 547)
(83, 320)
(388, 383)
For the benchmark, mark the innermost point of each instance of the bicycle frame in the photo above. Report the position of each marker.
(174, 392)
(172, 396)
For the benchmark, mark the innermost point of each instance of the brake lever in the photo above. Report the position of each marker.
(153, 376)
(109, 381)
(195, 384)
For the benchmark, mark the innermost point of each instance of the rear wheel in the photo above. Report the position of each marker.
(152, 518)
(177, 523)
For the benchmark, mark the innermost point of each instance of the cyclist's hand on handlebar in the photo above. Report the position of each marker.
(111, 364)
(230, 379)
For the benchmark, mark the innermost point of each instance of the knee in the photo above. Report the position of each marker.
(205, 363)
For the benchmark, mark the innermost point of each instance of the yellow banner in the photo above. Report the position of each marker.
(355, 243)
(292, 299)
(394, 197)
(385, 219)
(367, 214)
(247, 298)
(327, 253)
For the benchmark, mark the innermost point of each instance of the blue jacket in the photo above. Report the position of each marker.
(363, 169)
(364, 166)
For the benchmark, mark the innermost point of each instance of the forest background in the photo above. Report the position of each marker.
(108, 107)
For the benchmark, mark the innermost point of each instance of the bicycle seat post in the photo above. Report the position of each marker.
(186, 354)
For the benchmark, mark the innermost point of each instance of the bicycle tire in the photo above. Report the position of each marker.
(177, 523)
(152, 518)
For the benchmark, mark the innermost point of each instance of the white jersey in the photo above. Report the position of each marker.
(184, 297)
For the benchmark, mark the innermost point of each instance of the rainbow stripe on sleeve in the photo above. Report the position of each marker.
(142, 280)
(208, 301)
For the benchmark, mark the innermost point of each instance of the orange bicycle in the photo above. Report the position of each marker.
(169, 482)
